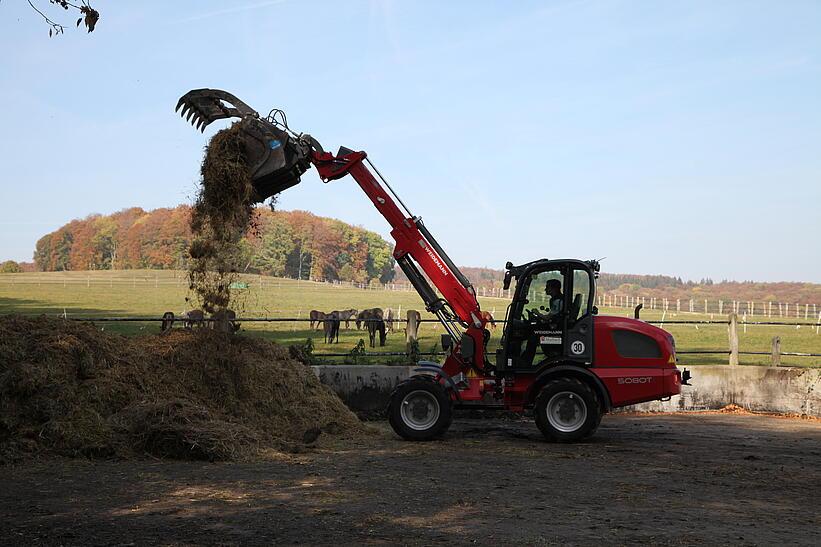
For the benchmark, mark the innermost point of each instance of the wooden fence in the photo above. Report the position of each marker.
(731, 351)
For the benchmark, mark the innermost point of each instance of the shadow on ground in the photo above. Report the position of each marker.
(689, 479)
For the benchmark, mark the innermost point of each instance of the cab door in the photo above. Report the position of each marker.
(535, 331)
(578, 340)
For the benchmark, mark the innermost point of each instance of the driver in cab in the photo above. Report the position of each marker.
(553, 289)
(549, 341)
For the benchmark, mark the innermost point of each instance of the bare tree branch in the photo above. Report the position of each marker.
(89, 15)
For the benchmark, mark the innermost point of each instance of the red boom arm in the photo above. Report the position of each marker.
(414, 241)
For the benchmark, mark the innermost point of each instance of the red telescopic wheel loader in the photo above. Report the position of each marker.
(557, 356)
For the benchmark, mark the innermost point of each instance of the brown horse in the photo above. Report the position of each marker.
(317, 317)
(488, 318)
(347, 316)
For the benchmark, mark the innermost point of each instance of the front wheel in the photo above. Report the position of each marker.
(567, 410)
(420, 410)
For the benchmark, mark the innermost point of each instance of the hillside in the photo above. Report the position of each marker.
(299, 244)
(295, 244)
(662, 286)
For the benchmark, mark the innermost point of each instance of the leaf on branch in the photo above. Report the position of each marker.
(80, 20)
(91, 17)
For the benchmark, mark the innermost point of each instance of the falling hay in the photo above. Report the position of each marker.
(221, 216)
(68, 389)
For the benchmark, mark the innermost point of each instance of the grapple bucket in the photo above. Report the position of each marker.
(276, 158)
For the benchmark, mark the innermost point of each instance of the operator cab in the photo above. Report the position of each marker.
(550, 319)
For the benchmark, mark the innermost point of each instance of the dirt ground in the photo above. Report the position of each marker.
(660, 479)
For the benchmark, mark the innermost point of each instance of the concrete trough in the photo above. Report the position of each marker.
(366, 388)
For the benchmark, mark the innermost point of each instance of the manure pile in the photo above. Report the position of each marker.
(66, 388)
(221, 216)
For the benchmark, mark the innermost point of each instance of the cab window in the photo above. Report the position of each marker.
(581, 295)
(545, 295)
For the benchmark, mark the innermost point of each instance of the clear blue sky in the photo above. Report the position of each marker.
(681, 138)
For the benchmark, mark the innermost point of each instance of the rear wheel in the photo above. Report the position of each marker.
(567, 410)
(420, 410)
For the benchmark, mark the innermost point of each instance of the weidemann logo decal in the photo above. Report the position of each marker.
(433, 257)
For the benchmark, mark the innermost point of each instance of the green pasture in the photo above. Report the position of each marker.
(150, 293)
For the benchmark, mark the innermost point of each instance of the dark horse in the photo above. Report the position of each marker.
(366, 316)
(331, 325)
(374, 326)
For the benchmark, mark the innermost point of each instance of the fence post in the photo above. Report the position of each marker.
(776, 351)
(412, 330)
(720, 307)
(733, 335)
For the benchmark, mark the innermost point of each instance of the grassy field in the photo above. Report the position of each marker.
(150, 293)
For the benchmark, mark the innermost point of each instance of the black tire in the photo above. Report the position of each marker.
(428, 410)
(575, 410)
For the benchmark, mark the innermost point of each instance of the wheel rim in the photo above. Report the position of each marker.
(419, 410)
(566, 411)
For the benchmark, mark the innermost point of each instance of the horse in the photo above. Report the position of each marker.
(167, 321)
(331, 327)
(366, 315)
(374, 326)
(317, 317)
(412, 328)
(194, 318)
(488, 318)
(347, 315)
(389, 319)
(225, 321)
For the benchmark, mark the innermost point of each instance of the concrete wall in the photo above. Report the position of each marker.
(783, 389)
(366, 388)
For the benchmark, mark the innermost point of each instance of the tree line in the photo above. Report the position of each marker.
(663, 286)
(295, 244)
(301, 245)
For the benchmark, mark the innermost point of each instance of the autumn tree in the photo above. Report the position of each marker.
(282, 243)
(10, 266)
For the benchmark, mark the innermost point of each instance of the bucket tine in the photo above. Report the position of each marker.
(203, 106)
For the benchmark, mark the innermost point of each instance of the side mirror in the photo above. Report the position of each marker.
(447, 342)
(468, 348)
(595, 310)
